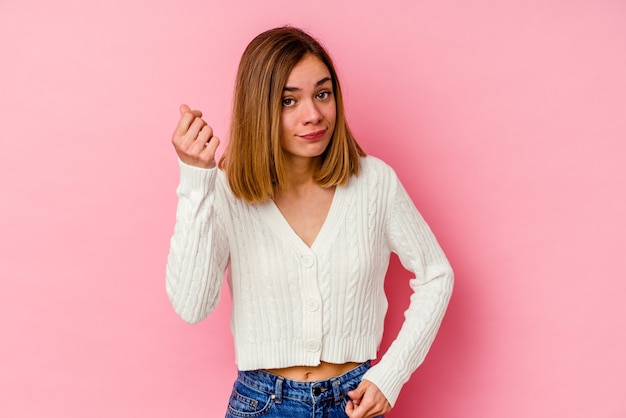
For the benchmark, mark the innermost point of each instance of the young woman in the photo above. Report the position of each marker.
(302, 224)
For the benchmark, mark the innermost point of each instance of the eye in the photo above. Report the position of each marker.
(288, 101)
(323, 95)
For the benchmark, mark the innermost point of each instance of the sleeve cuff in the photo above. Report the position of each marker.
(195, 179)
(387, 383)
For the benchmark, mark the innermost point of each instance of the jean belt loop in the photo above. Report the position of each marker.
(278, 390)
(337, 395)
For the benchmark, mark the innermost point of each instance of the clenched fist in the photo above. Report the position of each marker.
(193, 139)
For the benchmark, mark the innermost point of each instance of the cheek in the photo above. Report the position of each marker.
(286, 122)
(332, 116)
(332, 112)
(283, 128)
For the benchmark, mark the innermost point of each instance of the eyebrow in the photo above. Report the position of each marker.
(319, 83)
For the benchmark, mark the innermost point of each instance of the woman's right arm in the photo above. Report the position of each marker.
(198, 249)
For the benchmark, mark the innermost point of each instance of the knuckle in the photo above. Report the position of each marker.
(182, 145)
(206, 128)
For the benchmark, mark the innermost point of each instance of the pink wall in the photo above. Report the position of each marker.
(505, 119)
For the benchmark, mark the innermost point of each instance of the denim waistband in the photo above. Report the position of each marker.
(280, 388)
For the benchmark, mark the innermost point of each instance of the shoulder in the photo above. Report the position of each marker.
(376, 180)
(375, 167)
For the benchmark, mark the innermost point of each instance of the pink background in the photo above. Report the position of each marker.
(506, 120)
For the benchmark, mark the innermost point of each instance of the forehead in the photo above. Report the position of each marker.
(308, 71)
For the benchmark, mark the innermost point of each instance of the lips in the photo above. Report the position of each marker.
(312, 136)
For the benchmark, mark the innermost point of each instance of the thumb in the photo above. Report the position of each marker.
(184, 108)
(358, 393)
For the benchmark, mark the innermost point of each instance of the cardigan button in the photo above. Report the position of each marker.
(312, 305)
(313, 346)
(307, 260)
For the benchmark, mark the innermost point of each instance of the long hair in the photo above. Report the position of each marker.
(254, 158)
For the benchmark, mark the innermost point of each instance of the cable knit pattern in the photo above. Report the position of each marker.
(299, 305)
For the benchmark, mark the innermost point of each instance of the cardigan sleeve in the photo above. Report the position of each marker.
(198, 248)
(412, 240)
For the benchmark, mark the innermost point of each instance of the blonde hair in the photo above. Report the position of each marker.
(253, 159)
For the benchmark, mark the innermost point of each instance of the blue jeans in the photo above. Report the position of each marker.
(258, 393)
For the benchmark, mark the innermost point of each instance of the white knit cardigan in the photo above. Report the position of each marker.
(298, 305)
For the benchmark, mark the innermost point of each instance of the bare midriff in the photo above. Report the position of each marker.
(312, 373)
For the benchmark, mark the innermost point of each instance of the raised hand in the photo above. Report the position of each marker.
(193, 139)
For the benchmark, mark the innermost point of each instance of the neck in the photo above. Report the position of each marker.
(300, 173)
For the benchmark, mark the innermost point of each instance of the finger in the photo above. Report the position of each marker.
(211, 147)
(206, 156)
(349, 410)
(199, 134)
(184, 123)
(186, 120)
(197, 125)
(186, 138)
(354, 394)
(199, 142)
(355, 411)
(186, 109)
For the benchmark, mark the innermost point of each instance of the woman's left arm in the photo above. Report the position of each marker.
(412, 240)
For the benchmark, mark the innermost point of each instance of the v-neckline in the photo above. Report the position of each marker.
(285, 231)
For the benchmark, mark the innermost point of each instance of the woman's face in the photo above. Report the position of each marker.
(308, 109)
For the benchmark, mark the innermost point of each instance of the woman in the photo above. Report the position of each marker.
(304, 223)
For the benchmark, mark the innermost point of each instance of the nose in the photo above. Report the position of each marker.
(310, 113)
